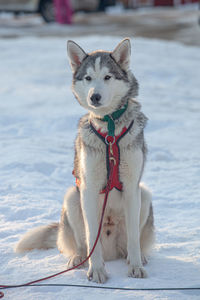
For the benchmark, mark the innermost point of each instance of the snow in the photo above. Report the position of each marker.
(38, 121)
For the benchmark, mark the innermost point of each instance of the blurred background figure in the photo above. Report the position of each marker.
(63, 11)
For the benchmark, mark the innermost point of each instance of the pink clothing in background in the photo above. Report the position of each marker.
(63, 11)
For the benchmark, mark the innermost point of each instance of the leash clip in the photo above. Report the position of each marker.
(113, 159)
(111, 148)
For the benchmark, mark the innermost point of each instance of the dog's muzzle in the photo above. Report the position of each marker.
(95, 99)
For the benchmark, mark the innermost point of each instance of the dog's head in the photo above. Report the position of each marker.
(102, 81)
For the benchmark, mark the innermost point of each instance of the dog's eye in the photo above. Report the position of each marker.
(88, 78)
(107, 77)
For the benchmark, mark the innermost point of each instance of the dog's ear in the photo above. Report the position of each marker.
(122, 54)
(76, 55)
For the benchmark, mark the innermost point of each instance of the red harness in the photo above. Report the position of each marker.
(112, 157)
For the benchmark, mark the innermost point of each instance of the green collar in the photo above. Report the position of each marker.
(112, 117)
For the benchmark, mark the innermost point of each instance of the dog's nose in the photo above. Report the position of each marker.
(95, 98)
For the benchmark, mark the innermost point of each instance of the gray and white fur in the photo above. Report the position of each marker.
(103, 83)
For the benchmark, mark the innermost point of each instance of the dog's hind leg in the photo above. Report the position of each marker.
(147, 236)
(71, 235)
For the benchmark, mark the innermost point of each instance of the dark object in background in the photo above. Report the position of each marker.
(46, 9)
(199, 13)
(104, 3)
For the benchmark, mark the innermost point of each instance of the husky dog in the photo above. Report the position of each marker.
(103, 84)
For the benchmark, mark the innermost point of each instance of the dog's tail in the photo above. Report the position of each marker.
(43, 237)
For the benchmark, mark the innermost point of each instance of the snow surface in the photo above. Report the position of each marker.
(38, 121)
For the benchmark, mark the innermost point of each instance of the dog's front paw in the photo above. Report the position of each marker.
(98, 275)
(144, 260)
(76, 260)
(136, 272)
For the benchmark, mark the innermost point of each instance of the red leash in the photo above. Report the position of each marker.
(107, 190)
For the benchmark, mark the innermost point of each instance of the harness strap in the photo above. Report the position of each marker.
(112, 156)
